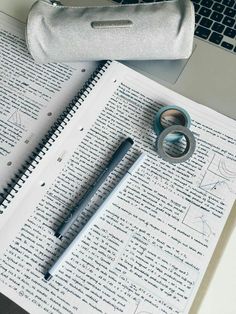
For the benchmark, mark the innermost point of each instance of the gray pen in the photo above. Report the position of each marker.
(76, 211)
(122, 183)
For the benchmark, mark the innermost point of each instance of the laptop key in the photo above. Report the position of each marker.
(229, 3)
(207, 3)
(202, 32)
(197, 18)
(216, 16)
(230, 12)
(230, 32)
(215, 38)
(206, 22)
(227, 45)
(218, 7)
(228, 21)
(196, 7)
(205, 11)
(218, 27)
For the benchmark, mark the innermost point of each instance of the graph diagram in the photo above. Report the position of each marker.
(220, 177)
(199, 221)
(16, 119)
(226, 170)
(139, 310)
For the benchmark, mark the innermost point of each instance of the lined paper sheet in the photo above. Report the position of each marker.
(31, 95)
(149, 250)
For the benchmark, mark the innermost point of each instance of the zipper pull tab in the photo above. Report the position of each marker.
(55, 3)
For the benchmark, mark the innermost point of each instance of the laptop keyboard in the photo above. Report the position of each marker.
(215, 21)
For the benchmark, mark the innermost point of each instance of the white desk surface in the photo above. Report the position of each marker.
(217, 294)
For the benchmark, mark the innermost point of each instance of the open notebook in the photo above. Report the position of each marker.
(149, 249)
(31, 96)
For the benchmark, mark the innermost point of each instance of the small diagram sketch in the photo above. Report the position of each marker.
(215, 185)
(16, 119)
(199, 221)
(226, 170)
(220, 177)
(139, 310)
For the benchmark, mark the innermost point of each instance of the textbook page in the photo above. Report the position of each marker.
(31, 96)
(149, 249)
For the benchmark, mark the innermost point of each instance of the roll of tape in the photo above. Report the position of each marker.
(176, 113)
(190, 144)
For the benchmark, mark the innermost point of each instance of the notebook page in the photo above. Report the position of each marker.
(149, 250)
(31, 95)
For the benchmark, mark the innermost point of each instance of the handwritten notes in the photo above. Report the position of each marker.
(149, 250)
(31, 96)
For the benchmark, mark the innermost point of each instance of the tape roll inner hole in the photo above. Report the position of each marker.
(172, 117)
(178, 148)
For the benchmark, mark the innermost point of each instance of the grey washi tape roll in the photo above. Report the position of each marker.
(183, 156)
(176, 113)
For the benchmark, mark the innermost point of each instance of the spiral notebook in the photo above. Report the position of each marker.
(149, 250)
(32, 96)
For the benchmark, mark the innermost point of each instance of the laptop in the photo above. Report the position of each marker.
(209, 75)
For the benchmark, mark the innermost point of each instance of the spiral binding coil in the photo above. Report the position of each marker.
(33, 160)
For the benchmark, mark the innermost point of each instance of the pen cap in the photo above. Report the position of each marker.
(120, 153)
(145, 31)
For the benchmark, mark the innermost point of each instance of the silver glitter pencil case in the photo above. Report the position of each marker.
(163, 30)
